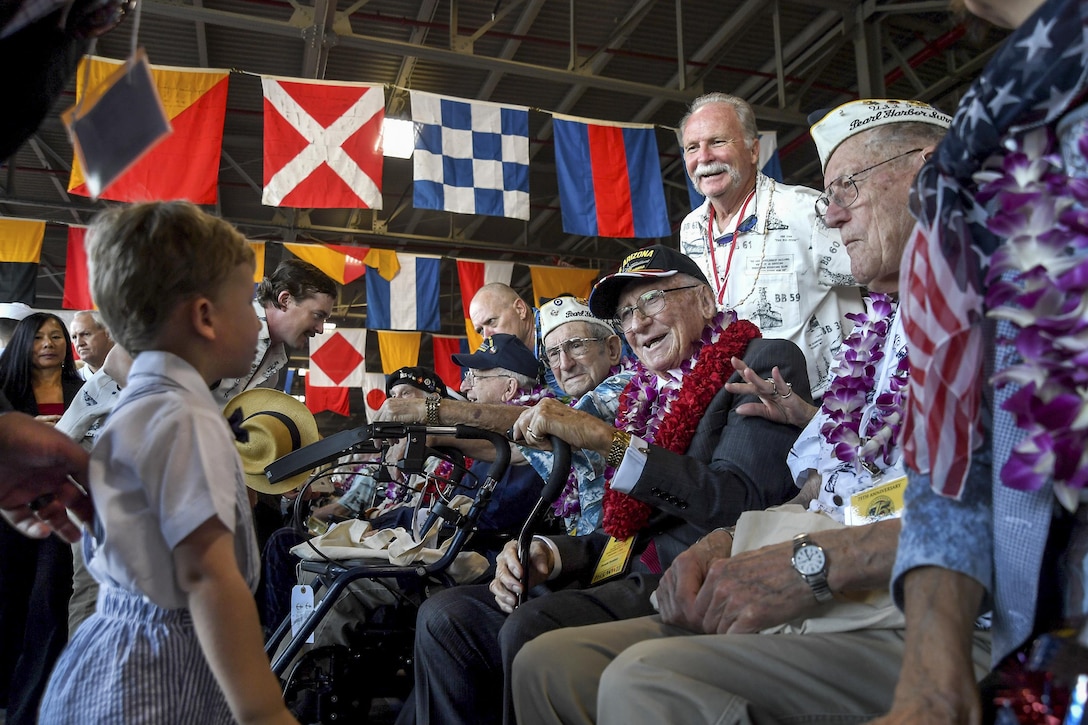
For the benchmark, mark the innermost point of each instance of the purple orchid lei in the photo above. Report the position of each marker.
(568, 506)
(846, 398)
(1038, 280)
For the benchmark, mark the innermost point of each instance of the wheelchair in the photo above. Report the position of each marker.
(339, 682)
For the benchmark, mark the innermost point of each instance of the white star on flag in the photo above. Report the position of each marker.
(322, 144)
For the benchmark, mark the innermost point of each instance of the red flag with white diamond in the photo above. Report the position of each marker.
(338, 359)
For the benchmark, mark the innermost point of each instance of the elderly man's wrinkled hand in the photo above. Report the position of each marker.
(777, 401)
(684, 578)
(401, 410)
(507, 582)
(549, 417)
(752, 591)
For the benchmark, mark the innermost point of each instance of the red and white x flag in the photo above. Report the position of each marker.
(322, 144)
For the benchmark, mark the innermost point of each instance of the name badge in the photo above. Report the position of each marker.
(614, 559)
(884, 501)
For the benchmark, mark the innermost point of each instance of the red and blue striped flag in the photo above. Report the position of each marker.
(609, 179)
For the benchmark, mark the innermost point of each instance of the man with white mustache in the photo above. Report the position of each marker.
(759, 242)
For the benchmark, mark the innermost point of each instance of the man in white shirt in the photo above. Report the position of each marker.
(759, 242)
(292, 306)
(92, 341)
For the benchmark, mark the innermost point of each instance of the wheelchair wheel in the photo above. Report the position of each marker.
(328, 685)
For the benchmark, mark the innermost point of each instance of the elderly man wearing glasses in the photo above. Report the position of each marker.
(584, 354)
(677, 444)
(786, 618)
(765, 253)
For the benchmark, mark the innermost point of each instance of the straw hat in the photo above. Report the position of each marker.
(277, 425)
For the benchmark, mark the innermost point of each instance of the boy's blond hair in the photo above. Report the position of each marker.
(145, 259)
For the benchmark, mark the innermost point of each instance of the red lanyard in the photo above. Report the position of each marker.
(723, 281)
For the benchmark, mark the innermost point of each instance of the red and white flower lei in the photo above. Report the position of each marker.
(669, 416)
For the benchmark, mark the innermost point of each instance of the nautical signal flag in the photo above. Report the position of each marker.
(408, 301)
(322, 144)
(445, 347)
(398, 350)
(258, 255)
(335, 399)
(470, 157)
(473, 275)
(341, 262)
(77, 281)
(609, 179)
(20, 254)
(338, 358)
(373, 393)
(185, 164)
(552, 282)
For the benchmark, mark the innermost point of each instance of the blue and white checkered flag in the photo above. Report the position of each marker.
(471, 157)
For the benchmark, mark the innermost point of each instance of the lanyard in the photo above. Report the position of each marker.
(722, 281)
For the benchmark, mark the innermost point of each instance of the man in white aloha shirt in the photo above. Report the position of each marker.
(774, 262)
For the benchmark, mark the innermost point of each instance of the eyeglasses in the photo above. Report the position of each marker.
(574, 347)
(649, 304)
(471, 377)
(844, 190)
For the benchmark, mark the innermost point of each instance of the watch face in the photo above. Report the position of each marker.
(809, 560)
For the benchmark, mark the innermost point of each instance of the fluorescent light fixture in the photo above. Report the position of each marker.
(330, 326)
(398, 138)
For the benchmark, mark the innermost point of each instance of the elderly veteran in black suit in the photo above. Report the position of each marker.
(687, 460)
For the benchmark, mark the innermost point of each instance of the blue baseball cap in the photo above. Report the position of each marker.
(501, 351)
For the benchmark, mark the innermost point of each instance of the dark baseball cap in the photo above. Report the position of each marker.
(422, 378)
(649, 263)
(501, 351)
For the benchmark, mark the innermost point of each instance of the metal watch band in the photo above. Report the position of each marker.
(620, 440)
(432, 403)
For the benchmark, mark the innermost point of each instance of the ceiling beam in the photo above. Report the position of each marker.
(400, 48)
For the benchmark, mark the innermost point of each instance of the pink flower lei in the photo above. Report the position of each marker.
(846, 397)
(1038, 280)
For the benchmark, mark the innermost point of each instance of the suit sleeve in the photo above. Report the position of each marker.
(735, 463)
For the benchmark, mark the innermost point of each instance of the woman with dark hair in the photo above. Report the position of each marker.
(38, 376)
(38, 368)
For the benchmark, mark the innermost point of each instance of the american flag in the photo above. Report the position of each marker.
(1036, 77)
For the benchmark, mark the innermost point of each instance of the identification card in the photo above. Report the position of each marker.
(614, 559)
(884, 501)
(302, 606)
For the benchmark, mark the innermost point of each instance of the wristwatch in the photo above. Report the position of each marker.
(431, 403)
(810, 561)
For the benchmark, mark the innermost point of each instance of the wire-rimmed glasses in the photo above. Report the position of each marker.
(649, 304)
(575, 347)
(844, 190)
